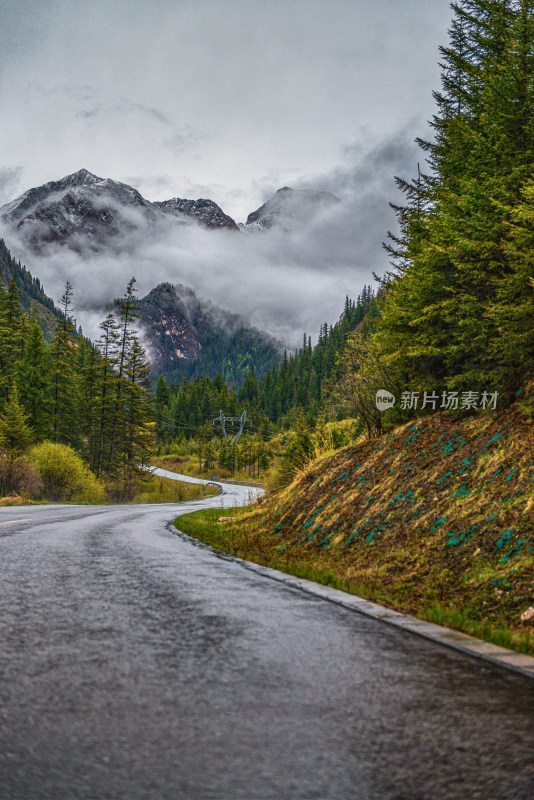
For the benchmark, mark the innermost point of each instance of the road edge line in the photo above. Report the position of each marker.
(468, 645)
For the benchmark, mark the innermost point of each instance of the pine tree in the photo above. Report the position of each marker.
(34, 384)
(12, 330)
(15, 438)
(89, 397)
(163, 423)
(128, 311)
(441, 325)
(15, 433)
(106, 383)
(138, 410)
(64, 388)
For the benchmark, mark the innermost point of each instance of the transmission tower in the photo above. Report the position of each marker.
(224, 420)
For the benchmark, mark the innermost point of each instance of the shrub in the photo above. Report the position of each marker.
(20, 477)
(65, 476)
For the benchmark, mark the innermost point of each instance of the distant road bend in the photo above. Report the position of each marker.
(137, 664)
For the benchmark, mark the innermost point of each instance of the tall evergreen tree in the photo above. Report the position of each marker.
(106, 384)
(441, 325)
(34, 383)
(15, 438)
(138, 411)
(64, 387)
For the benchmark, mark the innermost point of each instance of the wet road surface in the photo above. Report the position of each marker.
(135, 664)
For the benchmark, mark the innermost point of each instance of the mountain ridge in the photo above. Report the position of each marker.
(289, 208)
(188, 337)
(88, 213)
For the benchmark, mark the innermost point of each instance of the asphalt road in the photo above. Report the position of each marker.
(135, 664)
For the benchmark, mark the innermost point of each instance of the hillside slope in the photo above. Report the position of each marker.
(188, 338)
(29, 288)
(434, 517)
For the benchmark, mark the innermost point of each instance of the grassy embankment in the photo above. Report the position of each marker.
(435, 518)
(157, 490)
(166, 490)
(70, 481)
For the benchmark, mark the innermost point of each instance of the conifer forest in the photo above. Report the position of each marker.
(452, 316)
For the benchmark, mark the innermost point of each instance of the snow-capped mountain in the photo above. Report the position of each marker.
(289, 209)
(80, 210)
(205, 212)
(86, 212)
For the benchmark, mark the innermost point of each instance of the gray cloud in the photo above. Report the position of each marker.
(10, 182)
(228, 101)
(284, 282)
(122, 107)
(245, 89)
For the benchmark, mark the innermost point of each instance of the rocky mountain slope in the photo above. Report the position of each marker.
(87, 213)
(207, 213)
(80, 210)
(184, 335)
(188, 337)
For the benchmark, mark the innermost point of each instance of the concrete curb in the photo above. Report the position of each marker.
(500, 656)
(469, 645)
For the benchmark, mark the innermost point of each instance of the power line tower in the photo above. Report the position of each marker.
(224, 420)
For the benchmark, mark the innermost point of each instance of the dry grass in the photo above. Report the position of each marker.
(435, 519)
(166, 490)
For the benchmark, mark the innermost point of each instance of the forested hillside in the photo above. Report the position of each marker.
(302, 383)
(94, 399)
(189, 338)
(457, 308)
(29, 289)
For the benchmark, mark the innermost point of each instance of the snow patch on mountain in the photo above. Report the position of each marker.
(290, 209)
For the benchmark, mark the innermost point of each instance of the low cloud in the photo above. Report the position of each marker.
(283, 282)
(10, 179)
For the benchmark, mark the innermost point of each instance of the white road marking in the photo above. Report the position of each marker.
(10, 521)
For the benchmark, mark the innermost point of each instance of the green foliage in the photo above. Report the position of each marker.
(458, 312)
(15, 435)
(16, 474)
(302, 383)
(29, 289)
(308, 440)
(361, 372)
(33, 380)
(97, 402)
(64, 475)
(64, 388)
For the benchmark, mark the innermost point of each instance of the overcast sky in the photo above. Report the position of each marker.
(226, 99)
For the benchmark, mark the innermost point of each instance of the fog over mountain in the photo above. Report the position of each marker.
(285, 278)
(225, 103)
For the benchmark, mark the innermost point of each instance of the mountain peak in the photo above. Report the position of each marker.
(206, 213)
(81, 176)
(290, 208)
(187, 336)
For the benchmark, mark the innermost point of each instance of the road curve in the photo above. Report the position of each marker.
(137, 664)
(232, 494)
